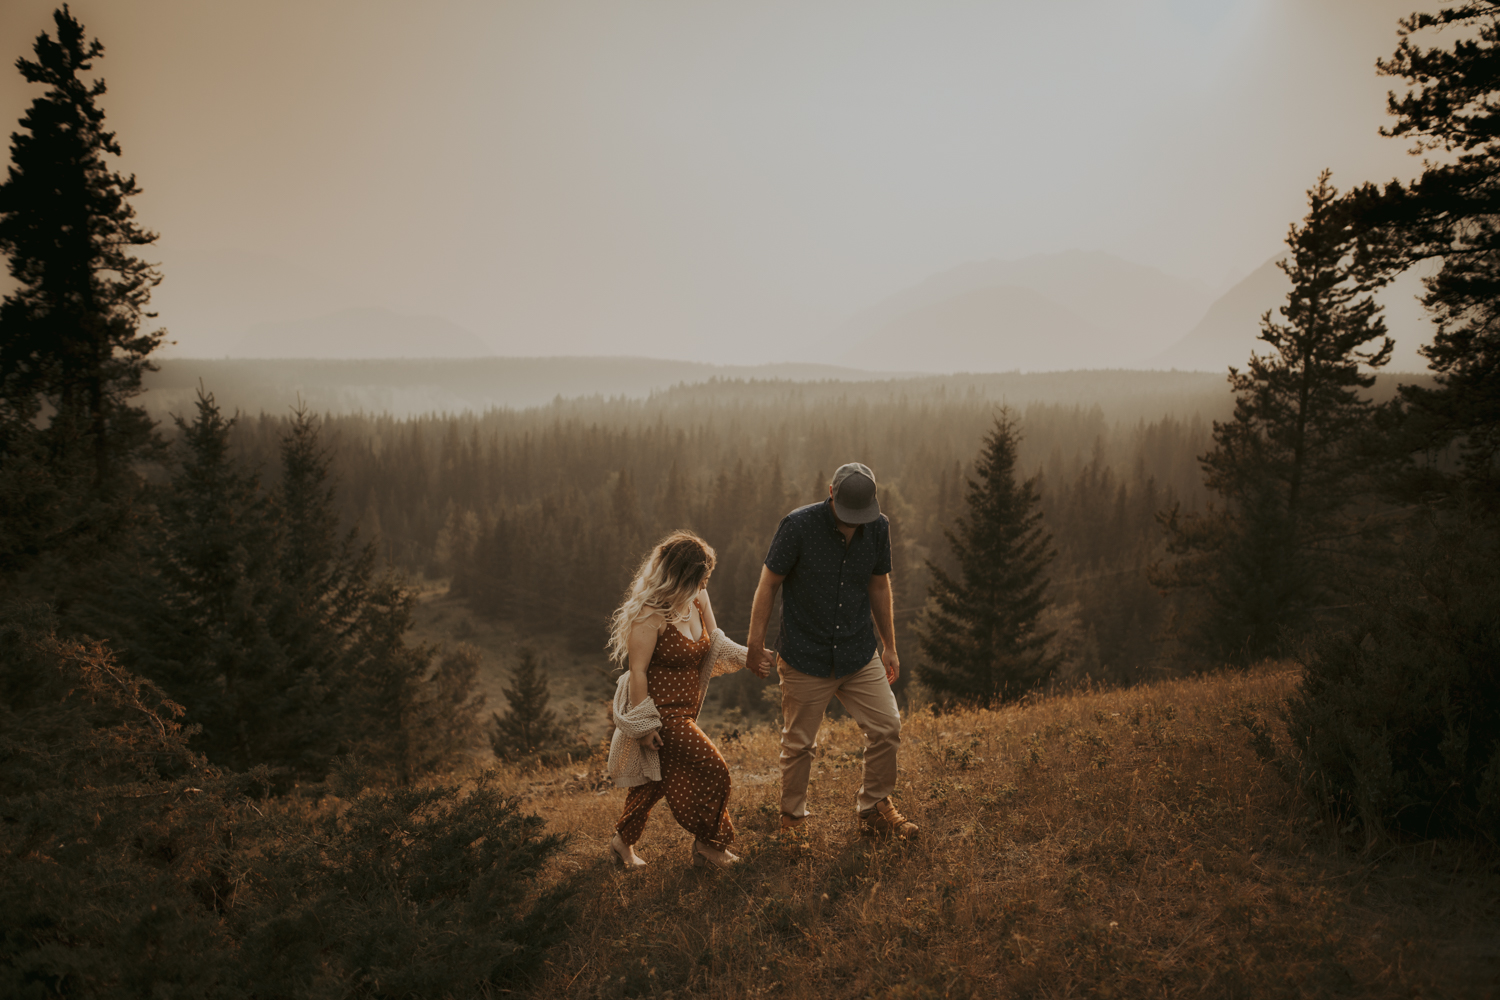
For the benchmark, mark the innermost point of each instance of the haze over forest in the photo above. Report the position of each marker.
(911, 188)
(361, 468)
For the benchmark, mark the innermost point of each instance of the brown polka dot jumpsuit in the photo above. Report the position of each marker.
(694, 777)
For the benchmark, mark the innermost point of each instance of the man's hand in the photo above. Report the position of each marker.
(892, 664)
(651, 740)
(758, 660)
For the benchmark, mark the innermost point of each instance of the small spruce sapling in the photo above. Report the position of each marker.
(528, 726)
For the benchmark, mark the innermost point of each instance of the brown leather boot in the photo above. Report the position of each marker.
(885, 820)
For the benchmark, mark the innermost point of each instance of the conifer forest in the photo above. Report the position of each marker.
(1200, 672)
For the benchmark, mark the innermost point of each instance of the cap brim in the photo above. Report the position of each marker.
(857, 515)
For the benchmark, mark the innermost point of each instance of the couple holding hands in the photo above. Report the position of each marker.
(832, 562)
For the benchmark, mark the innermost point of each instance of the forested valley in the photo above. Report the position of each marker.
(539, 516)
(1202, 692)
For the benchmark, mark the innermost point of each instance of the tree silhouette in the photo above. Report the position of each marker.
(1288, 465)
(70, 337)
(980, 631)
(1452, 214)
(528, 725)
(198, 616)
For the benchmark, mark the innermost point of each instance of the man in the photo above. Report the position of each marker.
(833, 562)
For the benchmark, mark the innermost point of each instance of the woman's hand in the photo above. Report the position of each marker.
(651, 740)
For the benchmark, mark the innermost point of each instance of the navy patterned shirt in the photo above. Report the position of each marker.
(826, 628)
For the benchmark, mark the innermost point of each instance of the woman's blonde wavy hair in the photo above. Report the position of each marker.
(667, 581)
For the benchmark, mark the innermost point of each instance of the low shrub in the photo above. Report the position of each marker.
(1397, 718)
(131, 867)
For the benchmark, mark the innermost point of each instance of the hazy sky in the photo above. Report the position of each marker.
(708, 180)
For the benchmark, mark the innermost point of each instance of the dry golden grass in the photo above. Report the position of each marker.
(1112, 844)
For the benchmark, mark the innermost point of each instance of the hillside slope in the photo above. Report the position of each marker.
(1129, 843)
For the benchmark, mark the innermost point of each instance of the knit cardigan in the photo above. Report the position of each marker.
(632, 764)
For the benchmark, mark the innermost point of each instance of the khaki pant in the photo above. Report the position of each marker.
(867, 697)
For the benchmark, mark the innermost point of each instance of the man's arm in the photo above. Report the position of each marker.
(760, 616)
(883, 610)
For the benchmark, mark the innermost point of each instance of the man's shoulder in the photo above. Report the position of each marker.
(804, 515)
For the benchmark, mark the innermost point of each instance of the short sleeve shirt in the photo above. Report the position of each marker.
(826, 628)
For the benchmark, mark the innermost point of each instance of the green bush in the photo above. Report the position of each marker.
(410, 892)
(131, 867)
(1398, 715)
(110, 827)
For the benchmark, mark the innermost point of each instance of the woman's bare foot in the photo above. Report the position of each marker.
(706, 855)
(625, 853)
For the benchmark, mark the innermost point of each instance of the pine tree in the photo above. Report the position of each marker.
(1452, 214)
(199, 619)
(980, 632)
(71, 351)
(325, 580)
(127, 859)
(274, 627)
(672, 507)
(621, 546)
(528, 725)
(70, 334)
(444, 717)
(1288, 465)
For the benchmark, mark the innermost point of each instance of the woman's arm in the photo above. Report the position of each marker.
(639, 646)
(709, 622)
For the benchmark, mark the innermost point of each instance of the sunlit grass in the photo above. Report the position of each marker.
(1121, 843)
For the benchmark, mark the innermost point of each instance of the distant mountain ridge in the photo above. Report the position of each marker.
(364, 332)
(445, 385)
(1227, 332)
(408, 387)
(1046, 312)
(1230, 330)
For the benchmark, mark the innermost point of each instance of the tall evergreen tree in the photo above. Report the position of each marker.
(325, 580)
(344, 624)
(1287, 466)
(70, 335)
(979, 632)
(276, 629)
(199, 619)
(1451, 213)
(528, 724)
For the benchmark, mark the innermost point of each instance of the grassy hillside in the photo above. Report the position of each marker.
(1129, 843)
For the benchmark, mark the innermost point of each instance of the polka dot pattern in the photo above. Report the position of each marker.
(826, 628)
(694, 777)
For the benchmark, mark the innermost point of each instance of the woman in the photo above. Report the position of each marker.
(664, 632)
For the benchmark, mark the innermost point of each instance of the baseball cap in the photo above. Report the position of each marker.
(854, 494)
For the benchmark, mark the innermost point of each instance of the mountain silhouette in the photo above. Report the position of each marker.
(1049, 312)
(366, 332)
(1229, 331)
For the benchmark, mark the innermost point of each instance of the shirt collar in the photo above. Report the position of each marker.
(833, 522)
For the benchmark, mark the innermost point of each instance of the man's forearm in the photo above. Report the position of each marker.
(760, 612)
(883, 610)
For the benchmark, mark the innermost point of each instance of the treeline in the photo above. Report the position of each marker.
(222, 762)
(539, 516)
(414, 386)
(223, 765)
